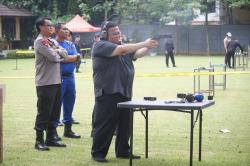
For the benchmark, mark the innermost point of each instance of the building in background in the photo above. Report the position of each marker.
(220, 13)
(14, 23)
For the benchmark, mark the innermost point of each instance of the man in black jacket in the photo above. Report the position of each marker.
(231, 47)
(169, 50)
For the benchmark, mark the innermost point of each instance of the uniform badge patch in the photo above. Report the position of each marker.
(45, 42)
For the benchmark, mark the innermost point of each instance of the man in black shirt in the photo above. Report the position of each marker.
(231, 47)
(113, 73)
(169, 50)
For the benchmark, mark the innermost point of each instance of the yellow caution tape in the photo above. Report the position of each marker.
(14, 77)
(85, 49)
(190, 74)
(25, 52)
(153, 74)
(32, 51)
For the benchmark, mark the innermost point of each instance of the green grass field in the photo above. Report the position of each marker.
(168, 131)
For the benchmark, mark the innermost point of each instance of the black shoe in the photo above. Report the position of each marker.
(174, 66)
(57, 138)
(127, 157)
(53, 135)
(75, 122)
(99, 159)
(55, 144)
(69, 133)
(41, 146)
(72, 135)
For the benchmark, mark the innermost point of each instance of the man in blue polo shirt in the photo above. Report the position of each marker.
(68, 80)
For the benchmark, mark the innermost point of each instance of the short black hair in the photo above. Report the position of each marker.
(40, 21)
(108, 24)
(70, 32)
(58, 26)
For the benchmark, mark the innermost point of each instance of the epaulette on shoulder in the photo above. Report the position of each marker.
(54, 41)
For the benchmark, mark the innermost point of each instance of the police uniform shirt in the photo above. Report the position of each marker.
(47, 63)
(112, 74)
(68, 68)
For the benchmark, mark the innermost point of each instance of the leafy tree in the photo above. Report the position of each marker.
(239, 3)
(134, 11)
(85, 11)
(72, 7)
(205, 7)
(156, 11)
(228, 5)
(104, 7)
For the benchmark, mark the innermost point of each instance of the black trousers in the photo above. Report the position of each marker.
(48, 107)
(107, 118)
(229, 56)
(171, 55)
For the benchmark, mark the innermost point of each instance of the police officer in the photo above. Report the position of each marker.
(113, 73)
(169, 50)
(68, 80)
(48, 85)
(231, 47)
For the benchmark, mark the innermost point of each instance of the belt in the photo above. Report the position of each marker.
(67, 74)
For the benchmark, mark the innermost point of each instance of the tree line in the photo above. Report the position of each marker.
(132, 11)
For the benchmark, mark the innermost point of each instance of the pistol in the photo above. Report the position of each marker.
(158, 37)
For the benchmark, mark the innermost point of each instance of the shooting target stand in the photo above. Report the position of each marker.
(197, 81)
(223, 83)
(242, 60)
